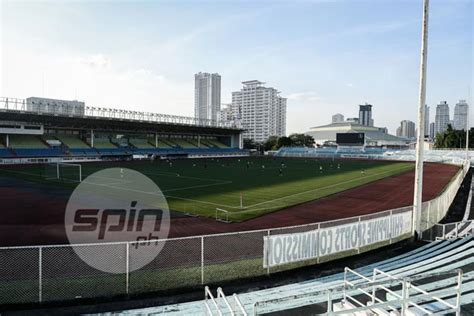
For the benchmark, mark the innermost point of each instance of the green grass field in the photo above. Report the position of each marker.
(199, 186)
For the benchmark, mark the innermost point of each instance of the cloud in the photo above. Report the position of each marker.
(309, 96)
(95, 61)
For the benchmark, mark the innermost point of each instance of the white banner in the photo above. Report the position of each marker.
(287, 248)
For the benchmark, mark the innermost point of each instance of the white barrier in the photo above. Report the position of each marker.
(288, 248)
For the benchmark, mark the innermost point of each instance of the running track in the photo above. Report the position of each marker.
(32, 214)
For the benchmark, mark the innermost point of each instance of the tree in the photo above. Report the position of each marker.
(283, 142)
(301, 140)
(452, 138)
(249, 144)
(271, 143)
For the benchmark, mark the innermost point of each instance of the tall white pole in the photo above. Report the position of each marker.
(467, 125)
(467, 134)
(417, 200)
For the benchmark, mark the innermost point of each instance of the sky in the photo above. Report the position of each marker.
(325, 56)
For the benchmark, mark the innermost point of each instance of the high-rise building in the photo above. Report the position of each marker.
(442, 117)
(432, 130)
(365, 115)
(207, 95)
(406, 129)
(226, 113)
(460, 115)
(427, 121)
(262, 110)
(337, 118)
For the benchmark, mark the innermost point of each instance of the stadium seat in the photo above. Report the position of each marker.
(141, 143)
(26, 141)
(103, 143)
(39, 152)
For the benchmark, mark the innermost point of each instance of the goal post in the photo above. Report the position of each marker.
(222, 215)
(62, 171)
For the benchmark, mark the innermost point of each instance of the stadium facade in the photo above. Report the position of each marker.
(374, 136)
(36, 129)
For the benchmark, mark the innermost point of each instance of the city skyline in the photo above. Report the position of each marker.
(324, 62)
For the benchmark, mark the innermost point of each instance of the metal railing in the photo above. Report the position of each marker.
(400, 293)
(220, 305)
(449, 231)
(20, 105)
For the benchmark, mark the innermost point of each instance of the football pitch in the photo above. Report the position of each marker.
(239, 188)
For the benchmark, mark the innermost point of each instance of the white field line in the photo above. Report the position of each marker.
(154, 193)
(185, 177)
(108, 184)
(197, 186)
(327, 187)
(204, 202)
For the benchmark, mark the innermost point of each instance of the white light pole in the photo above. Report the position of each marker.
(417, 200)
(467, 126)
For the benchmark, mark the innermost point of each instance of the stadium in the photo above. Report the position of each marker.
(235, 218)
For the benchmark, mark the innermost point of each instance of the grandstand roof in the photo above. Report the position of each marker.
(113, 124)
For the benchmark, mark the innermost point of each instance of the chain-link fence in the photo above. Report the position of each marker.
(57, 273)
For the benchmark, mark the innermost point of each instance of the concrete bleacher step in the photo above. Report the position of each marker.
(434, 257)
(346, 305)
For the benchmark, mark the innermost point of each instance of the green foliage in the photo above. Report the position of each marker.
(452, 138)
(301, 140)
(294, 140)
(249, 144)
(283, 142)
(271, 143)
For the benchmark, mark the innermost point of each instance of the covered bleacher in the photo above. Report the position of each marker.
(100, 138)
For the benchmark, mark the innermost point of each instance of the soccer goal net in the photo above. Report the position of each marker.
(63, 172)
(222, 215)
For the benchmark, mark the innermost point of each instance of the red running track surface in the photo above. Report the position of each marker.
(33, 215)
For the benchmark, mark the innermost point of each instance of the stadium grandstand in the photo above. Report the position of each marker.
(52, 130)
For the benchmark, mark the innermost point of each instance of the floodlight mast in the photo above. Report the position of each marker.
(417, 199)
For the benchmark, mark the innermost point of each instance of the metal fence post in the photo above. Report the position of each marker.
(318, 243)
(266, 253)
(358, 235)
(127, 267)
(391, 226)
(40, 274)
(202, 259)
